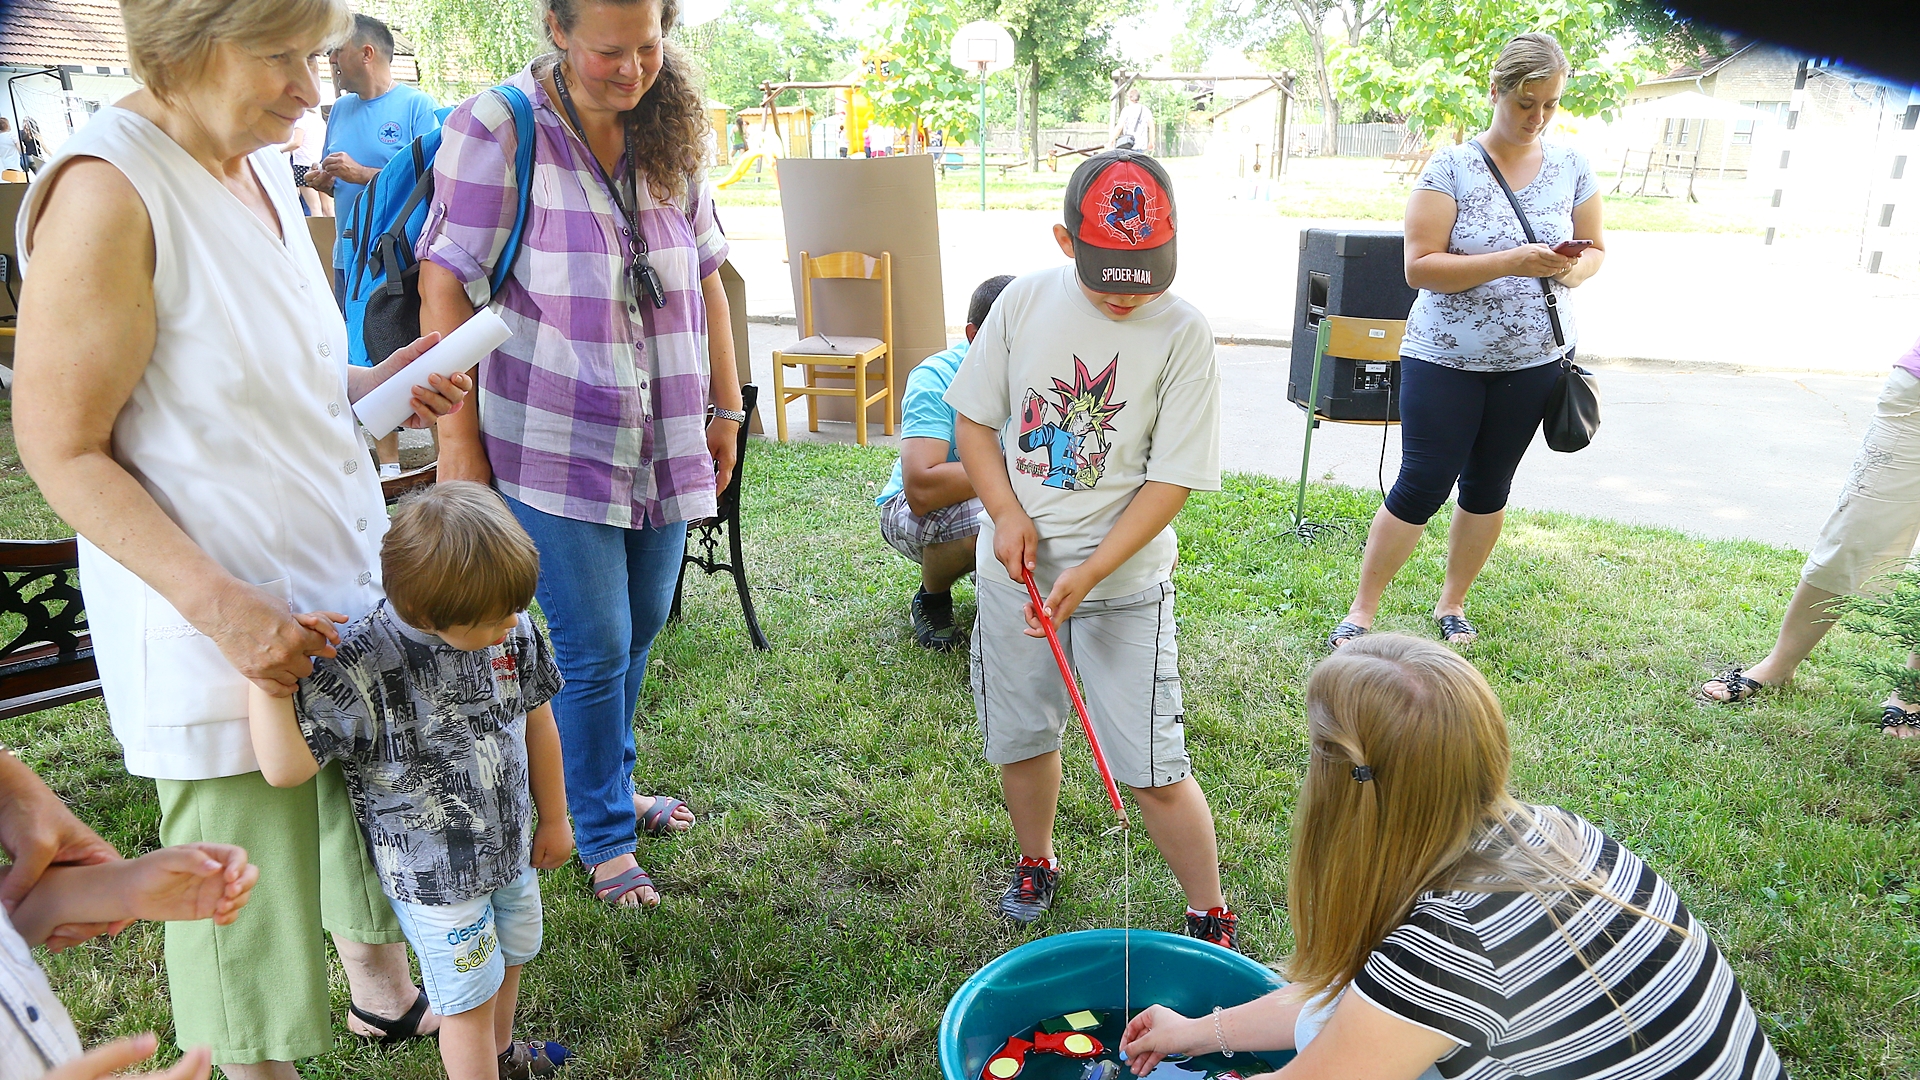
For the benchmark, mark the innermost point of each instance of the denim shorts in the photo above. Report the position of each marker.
(465, 949)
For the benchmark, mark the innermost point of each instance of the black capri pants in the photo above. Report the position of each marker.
(1467, 426)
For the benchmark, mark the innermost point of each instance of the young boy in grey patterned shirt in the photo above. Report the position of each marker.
(436, 703)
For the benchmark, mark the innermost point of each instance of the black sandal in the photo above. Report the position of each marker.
(1344, 633)
(1739, 687)
(1893, 716)
(1456, 624)
(397, 1030)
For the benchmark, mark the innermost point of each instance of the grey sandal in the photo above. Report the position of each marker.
(1451, 625)
(1344, 633)
(620, 886)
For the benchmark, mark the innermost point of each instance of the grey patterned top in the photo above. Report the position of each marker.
(1502, 325)
(434, 740)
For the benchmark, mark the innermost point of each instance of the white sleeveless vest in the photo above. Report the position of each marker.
(240, 429)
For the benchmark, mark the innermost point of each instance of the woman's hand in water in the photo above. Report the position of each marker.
(1156, 1033)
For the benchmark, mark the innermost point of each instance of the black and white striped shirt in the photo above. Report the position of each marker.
(1491, 972)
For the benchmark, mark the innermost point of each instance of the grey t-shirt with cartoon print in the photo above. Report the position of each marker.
(434, 741)
(1502, 325)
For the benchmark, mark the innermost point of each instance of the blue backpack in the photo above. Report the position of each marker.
(382, 275)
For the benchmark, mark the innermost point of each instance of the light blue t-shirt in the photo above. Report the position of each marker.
(924, 412)
(371, 132)
(1502, 325)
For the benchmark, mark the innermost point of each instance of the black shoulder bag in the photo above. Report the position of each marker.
(1573, 408)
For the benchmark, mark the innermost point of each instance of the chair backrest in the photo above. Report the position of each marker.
(49, 660)
(843, 265)
(1373, 340)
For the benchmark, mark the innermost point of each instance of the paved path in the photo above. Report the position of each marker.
(1694, 301)
(1723, 455)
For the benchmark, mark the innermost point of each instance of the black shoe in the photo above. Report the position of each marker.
(1031, 893)
(933, 625)
(1219, 926)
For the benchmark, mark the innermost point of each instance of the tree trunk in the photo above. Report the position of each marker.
(1315, 23)
(1033, 111)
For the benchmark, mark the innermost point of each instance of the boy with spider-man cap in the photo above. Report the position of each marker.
(1089, 406)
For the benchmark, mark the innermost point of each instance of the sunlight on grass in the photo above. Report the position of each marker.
(852, 841)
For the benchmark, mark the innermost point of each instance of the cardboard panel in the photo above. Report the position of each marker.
(736, 287)
(870, 205)
(321, 229)
(11, 196)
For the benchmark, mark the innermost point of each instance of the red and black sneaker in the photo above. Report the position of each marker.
(1031, 893)
(1218, 925)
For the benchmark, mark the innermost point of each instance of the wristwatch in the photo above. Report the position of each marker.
(736, 415)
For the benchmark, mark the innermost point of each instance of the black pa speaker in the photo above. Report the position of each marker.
(1360, 275)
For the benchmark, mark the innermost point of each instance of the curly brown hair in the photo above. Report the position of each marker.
(670, 125)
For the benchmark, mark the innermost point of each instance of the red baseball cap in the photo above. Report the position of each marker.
(1120, 214)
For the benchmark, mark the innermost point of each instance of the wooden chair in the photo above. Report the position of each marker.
(839, 356)
(703, 537)
(1370, 341)
(49, 661)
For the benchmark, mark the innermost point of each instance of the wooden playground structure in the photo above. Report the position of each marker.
(1665, 162)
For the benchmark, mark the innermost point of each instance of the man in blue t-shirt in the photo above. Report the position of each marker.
(373, 119)
(928, 511)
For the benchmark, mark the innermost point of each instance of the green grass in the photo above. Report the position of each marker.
(1338, 189)
(839, 886)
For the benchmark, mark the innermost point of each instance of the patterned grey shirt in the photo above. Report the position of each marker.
(434, 740)
(1502, 325)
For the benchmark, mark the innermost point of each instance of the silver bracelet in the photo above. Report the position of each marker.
(738, 416)
(1218, 1035)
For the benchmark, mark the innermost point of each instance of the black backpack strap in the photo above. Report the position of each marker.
(1546, 284)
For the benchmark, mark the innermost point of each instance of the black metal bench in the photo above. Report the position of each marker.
(704, 539)
(49, 662)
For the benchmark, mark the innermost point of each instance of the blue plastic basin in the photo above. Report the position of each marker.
(1083, 970)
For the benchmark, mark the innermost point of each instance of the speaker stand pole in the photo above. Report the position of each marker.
(1313, 413)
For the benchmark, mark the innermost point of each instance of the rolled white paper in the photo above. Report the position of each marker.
(388, 405)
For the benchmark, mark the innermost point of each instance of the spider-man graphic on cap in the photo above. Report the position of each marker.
(1127, 209)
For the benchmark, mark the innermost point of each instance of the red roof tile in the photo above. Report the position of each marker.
(44, 33)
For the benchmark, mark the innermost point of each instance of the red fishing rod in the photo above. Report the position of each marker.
(1073, 691)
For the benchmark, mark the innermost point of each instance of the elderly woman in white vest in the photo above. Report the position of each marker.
(182, 398)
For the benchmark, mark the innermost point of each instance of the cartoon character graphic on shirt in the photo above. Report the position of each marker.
(1076, 440)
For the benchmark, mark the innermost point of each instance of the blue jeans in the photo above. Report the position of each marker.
(606, 592)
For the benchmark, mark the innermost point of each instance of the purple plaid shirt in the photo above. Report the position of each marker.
(595, 408)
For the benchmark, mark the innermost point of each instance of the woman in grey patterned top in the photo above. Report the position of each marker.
(1480, 354)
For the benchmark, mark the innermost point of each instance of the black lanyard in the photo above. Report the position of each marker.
(641, 276)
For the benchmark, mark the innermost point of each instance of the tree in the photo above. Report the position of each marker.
(914, 82)
(757, 41)
(1267, 26)
(1435, 68)
(1062, 48)
(465, 46)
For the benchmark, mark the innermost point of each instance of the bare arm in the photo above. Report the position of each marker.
(175, 884)
(932, 482)
(724, 378)
(86, 333)
(285, 758)
(1265, 1023)
(1152, 509)
(1586, 226)
(1015, 543)
(553, 839)
(1430, 266)
(443, 308)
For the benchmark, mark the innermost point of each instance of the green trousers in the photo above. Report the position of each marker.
(257, 990)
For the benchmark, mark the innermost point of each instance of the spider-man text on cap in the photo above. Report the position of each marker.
(1127, 217)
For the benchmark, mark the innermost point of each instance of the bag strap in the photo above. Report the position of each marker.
(1546, 284)
(522, 109)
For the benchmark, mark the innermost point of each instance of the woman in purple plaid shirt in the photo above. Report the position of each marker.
(593, 417)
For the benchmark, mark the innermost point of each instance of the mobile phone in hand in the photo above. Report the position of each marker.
(1571, 249)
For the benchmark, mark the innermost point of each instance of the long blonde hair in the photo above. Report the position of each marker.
(1406, 792)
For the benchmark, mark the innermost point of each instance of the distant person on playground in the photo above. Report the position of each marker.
(1871, 531)
(1089, 406)
(928, 511)
(1134, 131)
(1480, 355)
(373, 120)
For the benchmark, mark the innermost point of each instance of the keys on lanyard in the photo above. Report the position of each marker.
(642, 278)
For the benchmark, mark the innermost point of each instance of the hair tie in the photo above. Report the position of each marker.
(1362, 773)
